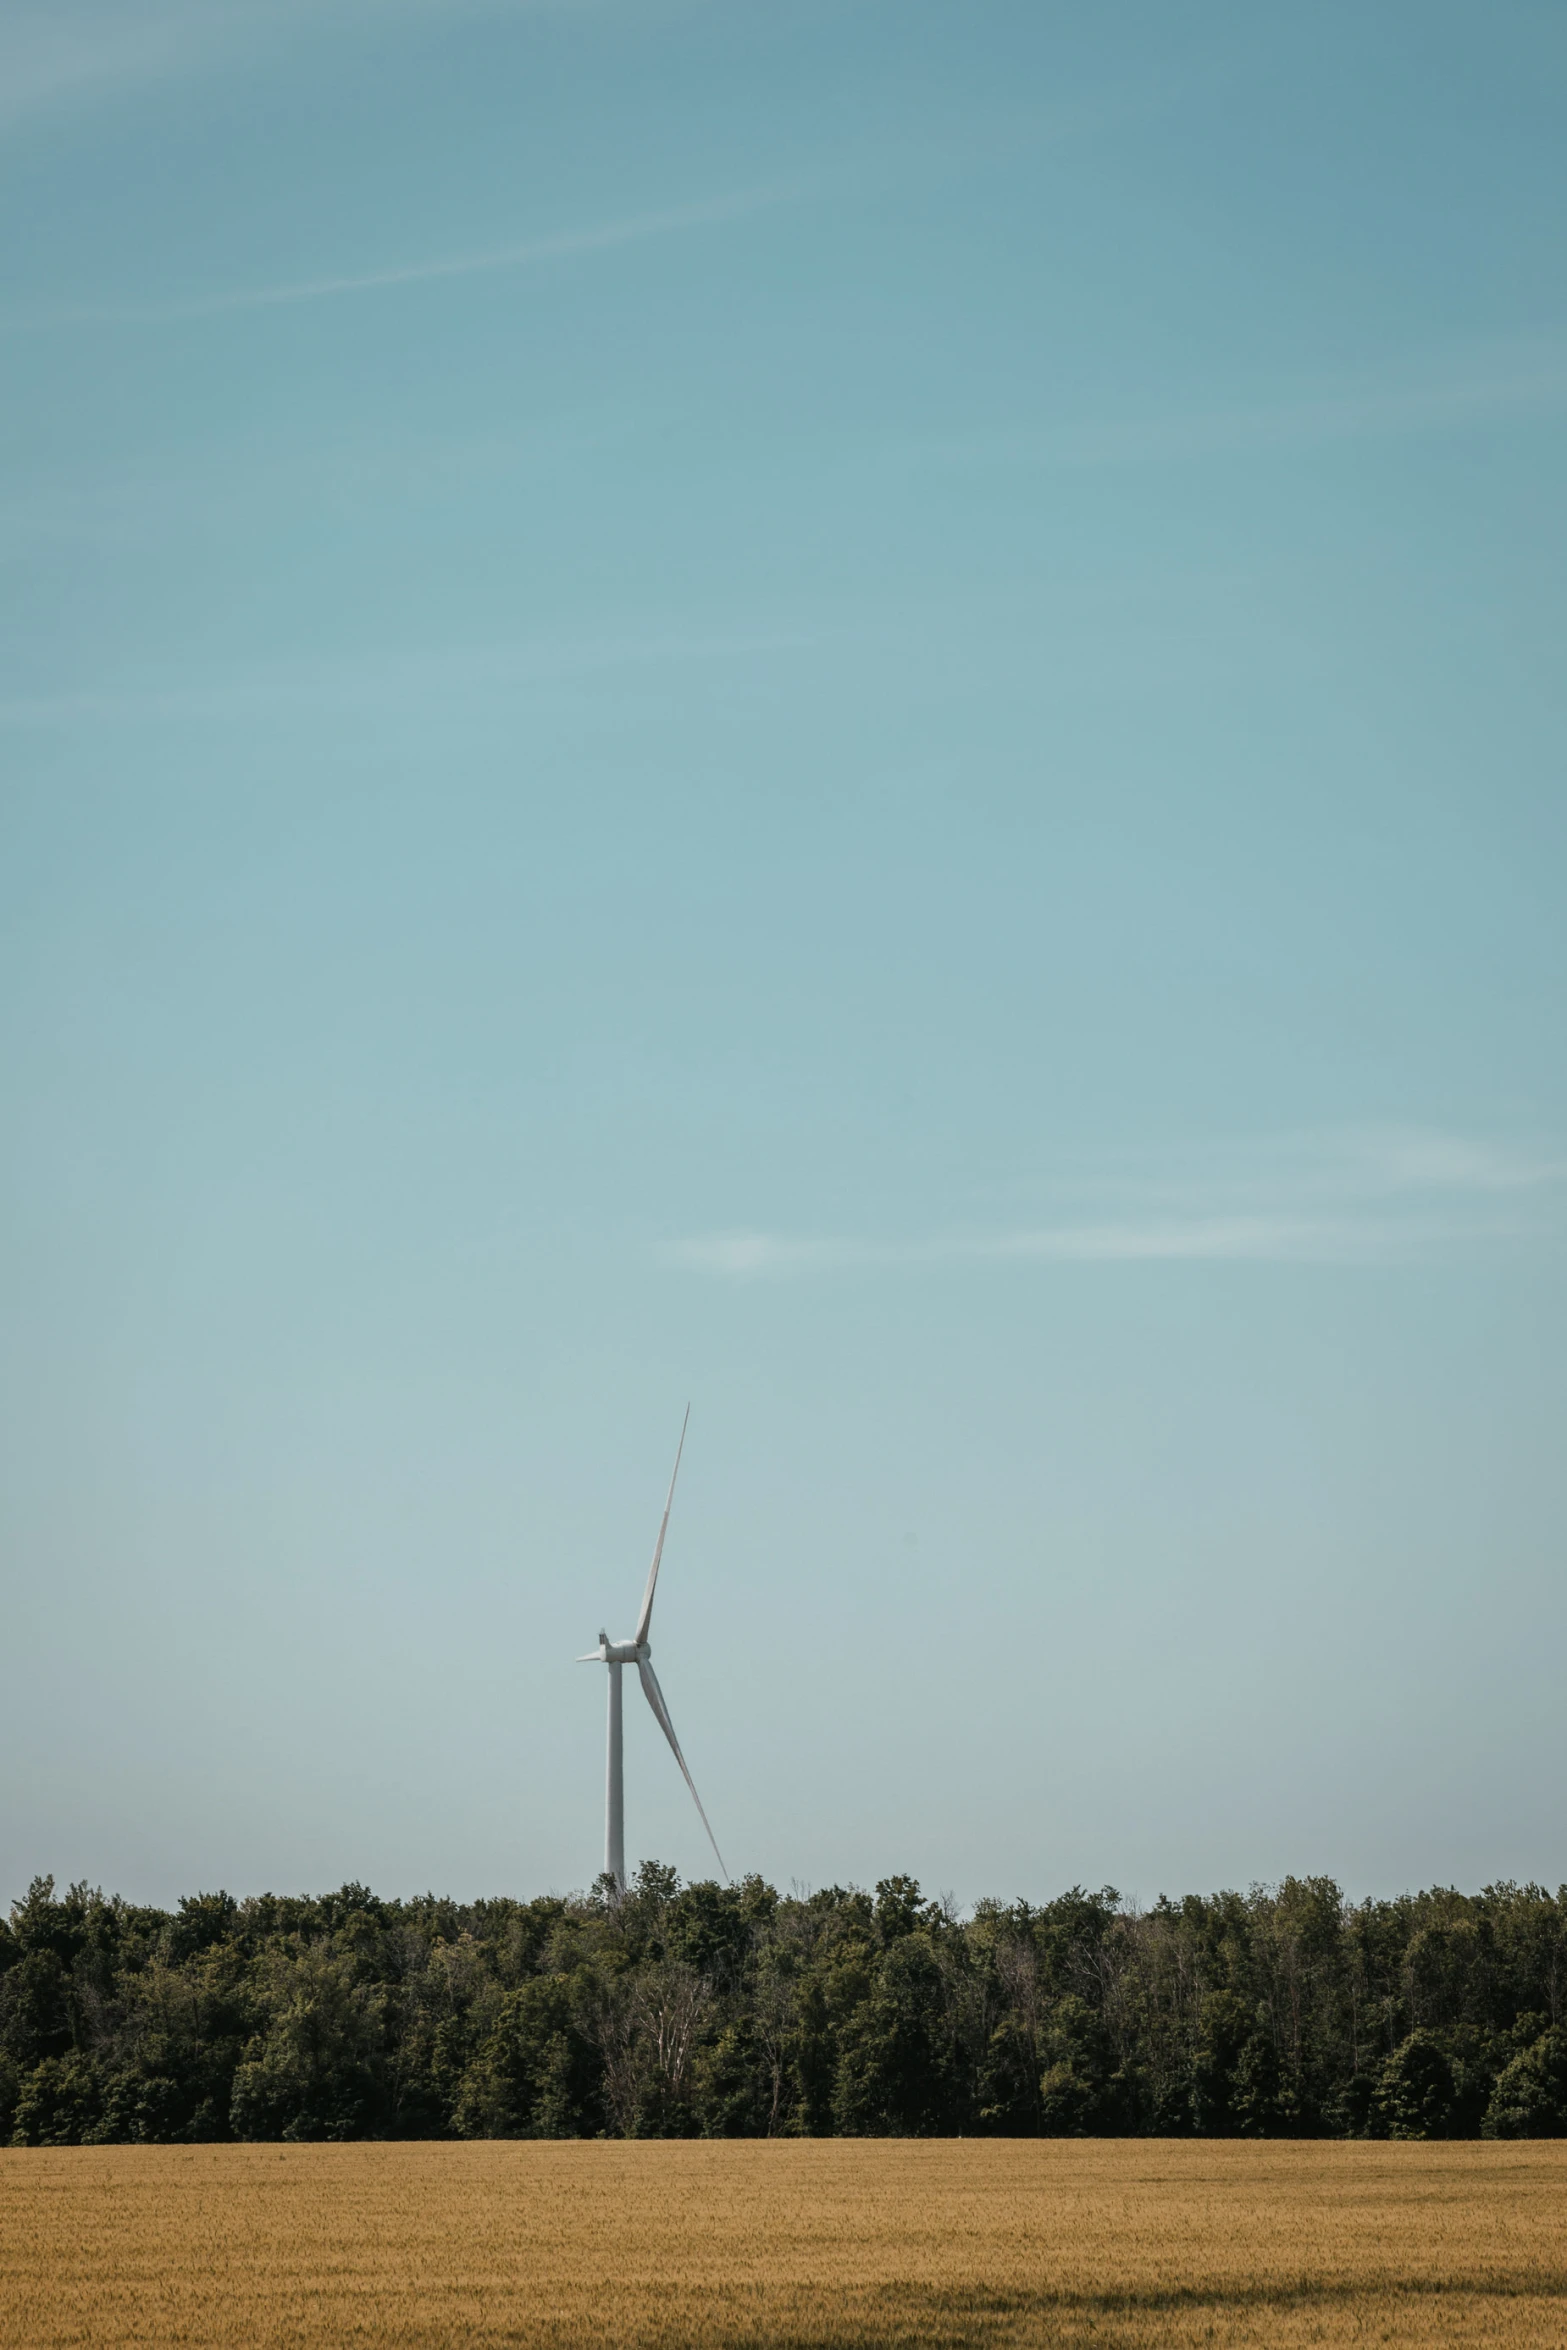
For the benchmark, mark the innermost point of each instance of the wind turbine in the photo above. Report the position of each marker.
(637, 1651)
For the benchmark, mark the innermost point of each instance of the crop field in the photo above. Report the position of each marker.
(939, 2242)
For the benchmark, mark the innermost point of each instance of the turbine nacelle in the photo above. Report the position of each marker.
(616, 1652)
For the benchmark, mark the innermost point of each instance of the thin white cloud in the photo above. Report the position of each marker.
(749, 1255)
(1360, 1197)
(65, 53)
(532, 252)
(1436, 392)
(1415, 1159)
(397, 685)
(1318, 1172)
(742, 1255)
(1277, 1239)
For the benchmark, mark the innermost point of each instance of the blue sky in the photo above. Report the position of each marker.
(850, 711)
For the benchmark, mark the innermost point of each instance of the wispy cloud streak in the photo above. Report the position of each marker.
(64, 51)
(1129, 1241)
(532, 252)
(57, 53)
(1358, 1198)
(399, 685)
(1443, 391)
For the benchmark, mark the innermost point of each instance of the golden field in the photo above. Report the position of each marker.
(937, 2242)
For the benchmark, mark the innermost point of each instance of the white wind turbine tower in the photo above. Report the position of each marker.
(637, 1651)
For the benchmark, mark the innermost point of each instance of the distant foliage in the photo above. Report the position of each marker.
(727, 2011)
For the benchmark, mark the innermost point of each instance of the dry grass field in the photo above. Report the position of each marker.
(837, 2243)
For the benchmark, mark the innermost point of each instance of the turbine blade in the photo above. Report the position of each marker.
(655, 1697)
(646, 1617)
(595, 1656)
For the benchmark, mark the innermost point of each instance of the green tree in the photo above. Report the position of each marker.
(735, 2084)
(1530, 2097)
(1232, 2072)
(537, 2074)
(896, 2073)
(1075, 2094)
(60, 2103)
(318, 2069)
(1414, 2094)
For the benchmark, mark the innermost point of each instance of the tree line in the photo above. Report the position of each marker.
(672, 2010)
